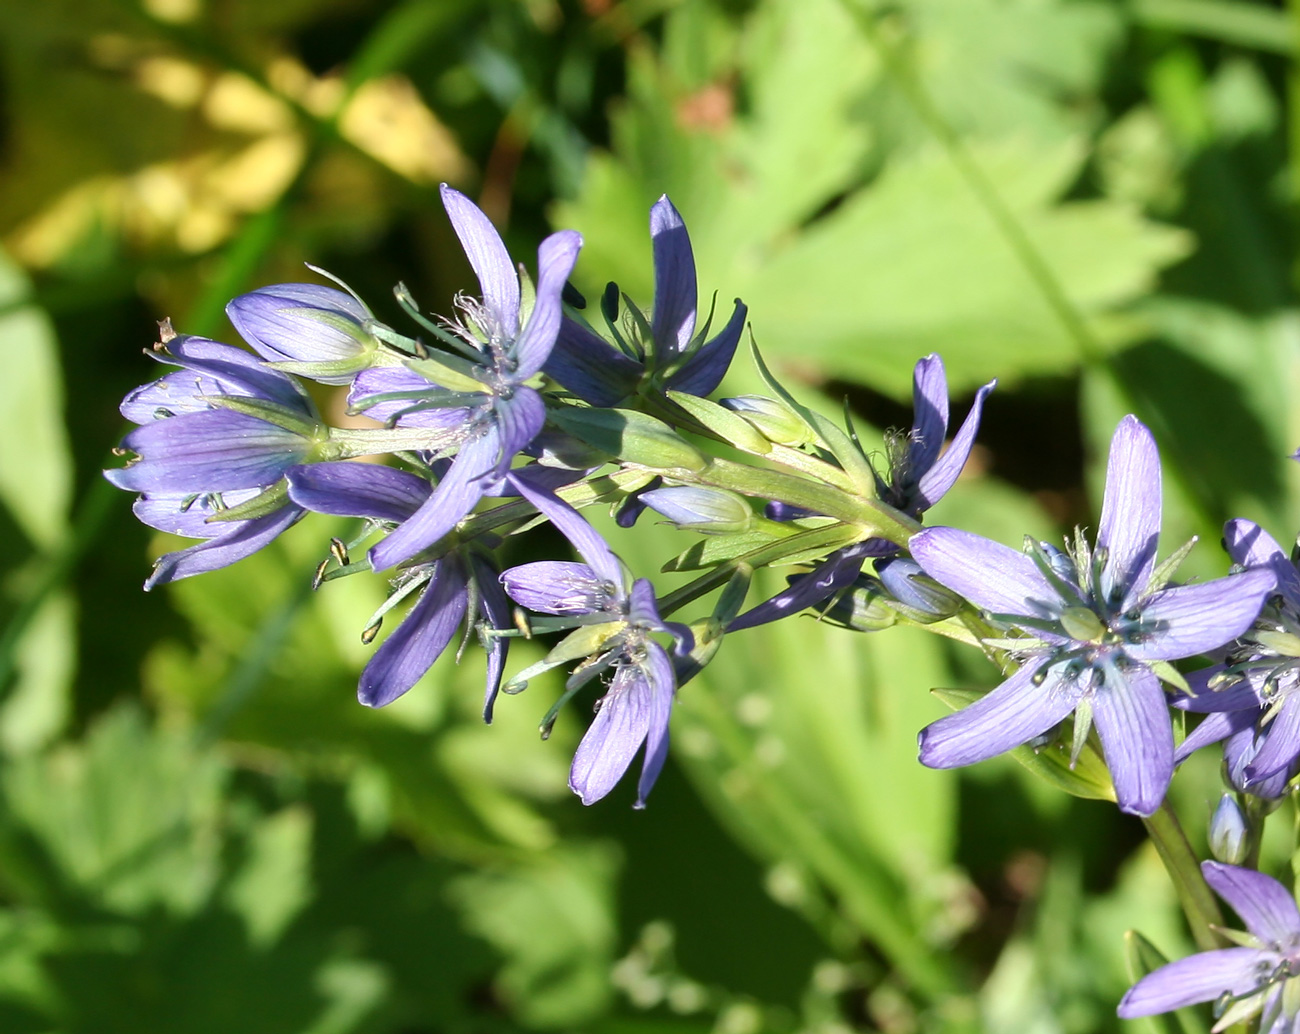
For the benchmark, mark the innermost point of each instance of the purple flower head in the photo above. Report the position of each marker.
(459, 588)
(1257, 978)
(215, 434)
(1253, 699)
(614, 623)
(1094, 621)
(221, 422)
(495, 413)
(666, 350)
(313, 331)
(917, 477)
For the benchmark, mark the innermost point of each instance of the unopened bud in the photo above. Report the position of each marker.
(773, 419)
(307, 329)
(700, 509)
(1229, 832)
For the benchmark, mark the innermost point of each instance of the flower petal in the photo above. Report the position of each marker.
(358, 490)
(240, 539)
(1197, 978)
(385, 380)
(1191, 619)
(419, 640)
(590, 367)
(673, 318)
(929, 412)
(614, 736)
(1130, 512)
(943, 474)
(214, 451)
(240, 371)
(557, 587)
(519, 419)
(574, 527)
(451, 501)
(1010, 715)
(1238, 696)
(185, 514)
(497, 277)
(1215, 727)
(1251, 546)
(555, 259)
(703, 372)
(1137, 738)
(989, 574)
(1265, 906)
(658, 670)
(1281, 744)
(804, 591)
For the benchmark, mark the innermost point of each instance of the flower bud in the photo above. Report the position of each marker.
(774, 420)
(922, 598)
(1229, 832)
(700, 509)
(307, 329)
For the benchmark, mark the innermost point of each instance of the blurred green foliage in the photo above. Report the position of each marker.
(201, 831)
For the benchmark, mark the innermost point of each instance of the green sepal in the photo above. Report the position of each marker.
(527, 294)
(337, 368)
(271, 412)
(629, 437)
(584, 641)
(1142, 957)
(260, 505)
(1166, 672)
(1089, 778)
(728, 425)
(1165, 571)
(448, 371)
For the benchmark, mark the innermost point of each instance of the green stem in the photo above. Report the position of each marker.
(1198, 901)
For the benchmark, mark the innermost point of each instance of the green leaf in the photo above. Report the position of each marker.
(35, 461)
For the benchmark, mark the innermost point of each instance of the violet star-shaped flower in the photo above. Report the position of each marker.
(215, 434)
(1256, 978)
(614, 624)
(1253, 699)
(667, 350)
(918, 475)
(1096, 623)
(460, 586)
(496, 414)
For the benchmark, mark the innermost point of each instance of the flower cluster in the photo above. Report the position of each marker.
(516, 411)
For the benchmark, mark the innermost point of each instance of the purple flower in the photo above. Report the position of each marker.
(667, 349)
(221, 422)
(217, 433)
(1253, 699)
(1095, 621)
(198, 517)
(306, 329)
(916, 478)
(614, 623)
(1256, 978)
(496, 413)
(456, 588)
